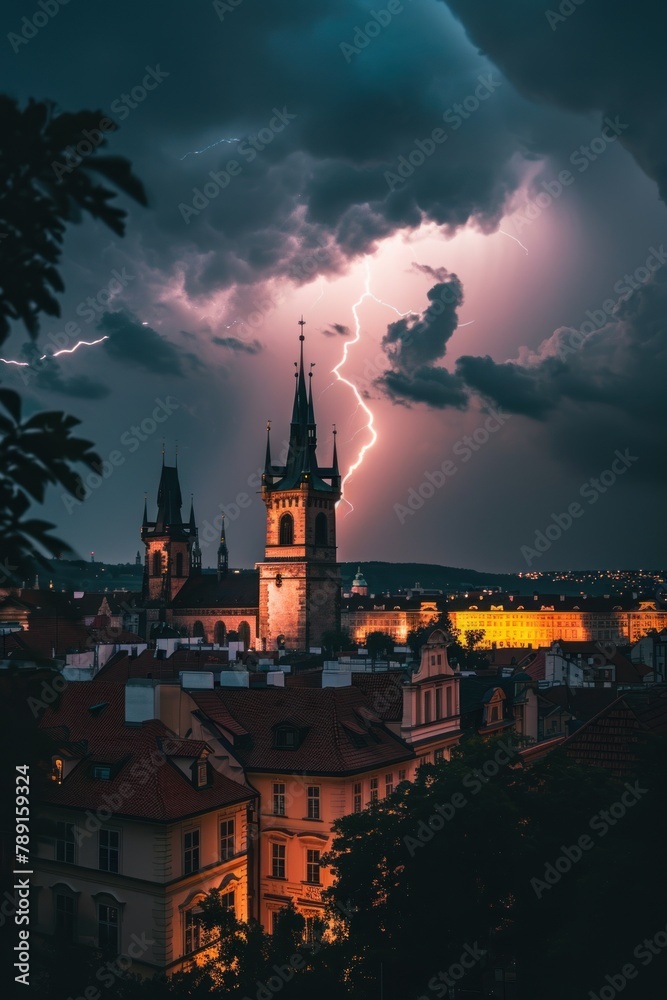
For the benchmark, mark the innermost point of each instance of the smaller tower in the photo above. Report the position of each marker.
(359, 585)
(169, 541)
(223, 554)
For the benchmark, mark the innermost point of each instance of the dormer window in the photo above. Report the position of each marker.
(286, 737)
(102, 772)
(57, 770)
(201, 773)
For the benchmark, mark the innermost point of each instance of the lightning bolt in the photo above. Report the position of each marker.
(361, 404)
(56, 354)
(197, 152)
(509, 236)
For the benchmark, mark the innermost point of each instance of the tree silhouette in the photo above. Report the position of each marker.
(45, 185)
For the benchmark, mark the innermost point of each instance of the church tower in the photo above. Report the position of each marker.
(172, 547)
(299, 580)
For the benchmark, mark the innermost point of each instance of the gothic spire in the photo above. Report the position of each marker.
(223, 554)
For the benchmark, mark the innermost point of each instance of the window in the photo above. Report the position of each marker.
(226, 839)
(286, 529)
(227, 900)
(198, 630)
(356, 797)
(493, 717)
(309, 931)
(192, 931)
(275, 917)
(388, 784)
(438, 703)
(157, 564)
(107, 928)
(219, 633)
(427, 706)
(439, 756)
(374, 790)
(244, 634)
(287, 738)
(279, 799)
(102, 772)
(191, 852)
(313, 867)
(278, 860)
(65, 843)
(402, 775)
(179, 564)
(449, 700)
(65, 910)
(109, 850)
(202, 773)
(313, 801)
(321, 530)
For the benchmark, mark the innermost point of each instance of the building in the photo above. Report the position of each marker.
(299, 580)
(291, 598)
(359, 585)
(138, 825)
(509, 620)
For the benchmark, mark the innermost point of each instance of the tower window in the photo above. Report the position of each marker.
(157, 564)
(321, 530)
(287, 529)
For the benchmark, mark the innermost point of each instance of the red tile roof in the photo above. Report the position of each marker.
(609, 739)
(383, 691)
(537, 667)
(148, 785)
(341, 732)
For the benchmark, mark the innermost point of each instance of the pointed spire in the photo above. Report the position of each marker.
(300, 465)
(144, 523)
(192, 522)
(267, 460)
(311, 412)
(223, 554)
(334, 460)
(301, 399)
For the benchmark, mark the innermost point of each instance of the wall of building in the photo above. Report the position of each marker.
(514, 628)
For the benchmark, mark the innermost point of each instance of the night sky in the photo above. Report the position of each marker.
(492, 174)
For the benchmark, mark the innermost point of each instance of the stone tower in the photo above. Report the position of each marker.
(299, 580)
(172, 547)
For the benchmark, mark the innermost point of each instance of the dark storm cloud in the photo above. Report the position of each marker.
(336, 330)
(134, 344)
(242, 346)
(414, 342)
(318, 133)
(600, 55)
(591, 386)
(427, 384)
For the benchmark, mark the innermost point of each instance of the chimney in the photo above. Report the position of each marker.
(141, 699)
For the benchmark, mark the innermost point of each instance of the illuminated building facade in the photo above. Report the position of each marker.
(509, 620)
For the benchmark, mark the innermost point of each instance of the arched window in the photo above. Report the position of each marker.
(219, 633)
(321, 530)
(244, 633)
(157, 564)
(286, 529)
(198, 630)
(179, 564)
